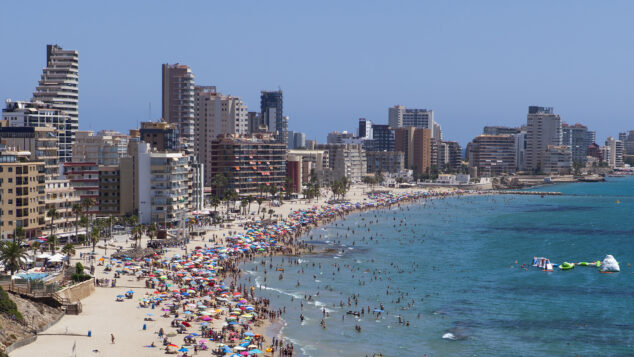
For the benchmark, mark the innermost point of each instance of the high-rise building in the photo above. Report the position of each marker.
(382, 138)
(591, 137)
(22, 193)
(385, 161)
(615, 157)
(110, 190)
(520, 150)
(216, 114)
(401, 117)
(576, 138)
(317, 161)
(104, 148)
(628, 143)
(455, 155)
(415, 143)
(543, 129)
(299, 140)
(290, 139)
(272, 113)
(41, 143)
(161, 135)
(38, 114)
(500, 130)
(178, 102)
(84, 178)
(338, 137)
(255, 125)
(492, 154)
(59, 88)
(248, 162)
(436, 132)
(365, 129)
(557, 160)
(346, 160)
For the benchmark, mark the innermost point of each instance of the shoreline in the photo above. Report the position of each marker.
(292, 244)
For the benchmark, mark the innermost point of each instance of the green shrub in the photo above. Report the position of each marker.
(7, 306)
(79, 268)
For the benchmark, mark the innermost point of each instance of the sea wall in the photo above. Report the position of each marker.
(79, 291)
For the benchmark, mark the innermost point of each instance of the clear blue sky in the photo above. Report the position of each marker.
(474, 63)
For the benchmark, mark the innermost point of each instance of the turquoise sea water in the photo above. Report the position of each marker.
(452, 263)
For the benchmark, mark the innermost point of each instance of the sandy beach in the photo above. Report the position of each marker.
(103, 316)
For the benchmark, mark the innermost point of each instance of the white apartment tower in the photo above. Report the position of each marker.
(615, 153)
(543, 129)
(59, 88)
(216, 114)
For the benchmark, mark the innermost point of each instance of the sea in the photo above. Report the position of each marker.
(452, 277)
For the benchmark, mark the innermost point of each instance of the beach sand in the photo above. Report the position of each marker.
(103, 316)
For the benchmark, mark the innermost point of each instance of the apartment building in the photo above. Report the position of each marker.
(39, 114)
(22, 195)
(84, 178)
(178, 102)
(493, 155)
(248, 162)
(104, 148)
(59, 89)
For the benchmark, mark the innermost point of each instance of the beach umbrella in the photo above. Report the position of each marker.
(172, 345)
(255, 351)
(249, 334)
(239, 348)
(183, 349)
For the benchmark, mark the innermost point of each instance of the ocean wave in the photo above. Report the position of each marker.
(258, 284)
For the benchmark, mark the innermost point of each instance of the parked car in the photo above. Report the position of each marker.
(118, 227)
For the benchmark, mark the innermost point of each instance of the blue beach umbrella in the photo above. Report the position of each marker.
(249, 334)
(183, 349)
(254, 351)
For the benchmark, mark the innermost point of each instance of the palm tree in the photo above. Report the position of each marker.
(137, 233)
(220, 182)
(12, 255)
(215, 202)
(52, 213)
(273, 191)
(19, 234)
(76, 209)
(86, 204)
(83, 221)
(52, 243)
(94, 237)
(151, 231)
(259, 200)
(68, 249)
(230, 196)
(244, 203)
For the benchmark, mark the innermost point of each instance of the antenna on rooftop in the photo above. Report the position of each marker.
(149, 114)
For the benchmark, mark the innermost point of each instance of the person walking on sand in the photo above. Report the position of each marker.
(112, 338)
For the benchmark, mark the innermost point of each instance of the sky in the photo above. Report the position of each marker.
(474, 63)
